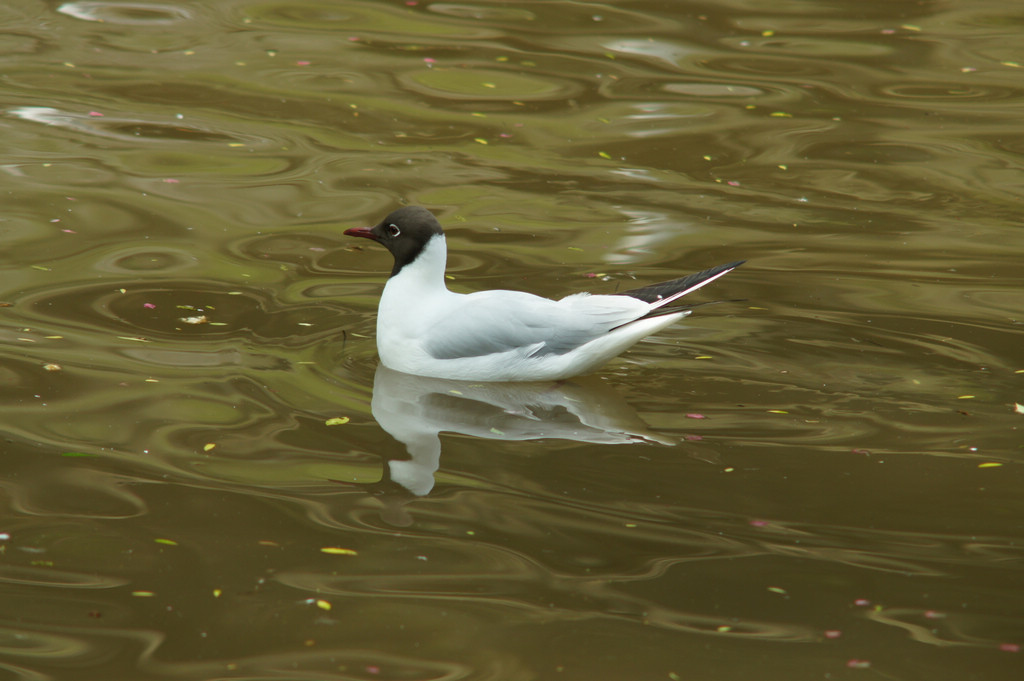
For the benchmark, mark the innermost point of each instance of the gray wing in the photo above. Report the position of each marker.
(491, 322)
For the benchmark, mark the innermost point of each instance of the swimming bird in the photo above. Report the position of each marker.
(427, 330)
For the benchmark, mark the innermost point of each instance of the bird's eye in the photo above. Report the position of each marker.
(393, 230)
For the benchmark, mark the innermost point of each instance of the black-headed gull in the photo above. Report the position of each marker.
(427, 330)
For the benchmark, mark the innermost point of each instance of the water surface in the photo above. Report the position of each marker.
(205, 475)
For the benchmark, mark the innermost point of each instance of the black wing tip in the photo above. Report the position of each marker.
(712, 271)
(657, 292)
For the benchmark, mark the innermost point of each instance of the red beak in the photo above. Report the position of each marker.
(361, 231)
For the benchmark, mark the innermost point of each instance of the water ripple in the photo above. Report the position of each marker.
(125, 129)
(484, 85)
(28, 645)
(127, 13)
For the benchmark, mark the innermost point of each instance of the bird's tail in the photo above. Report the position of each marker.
(667, 291)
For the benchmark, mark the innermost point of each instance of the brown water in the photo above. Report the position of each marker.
(818, 478)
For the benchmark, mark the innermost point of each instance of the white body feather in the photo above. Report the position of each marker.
(425, 329)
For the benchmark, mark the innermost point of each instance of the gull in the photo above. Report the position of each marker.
(427, 330)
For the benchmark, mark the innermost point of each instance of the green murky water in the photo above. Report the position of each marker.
(204, 475)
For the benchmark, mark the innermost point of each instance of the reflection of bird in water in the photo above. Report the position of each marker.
(425, 329)
(415, 409)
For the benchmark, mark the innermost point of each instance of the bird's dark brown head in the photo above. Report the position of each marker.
(404, 232)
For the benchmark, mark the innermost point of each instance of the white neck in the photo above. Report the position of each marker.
(418, 280)
(426, 272)
(409, 299)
